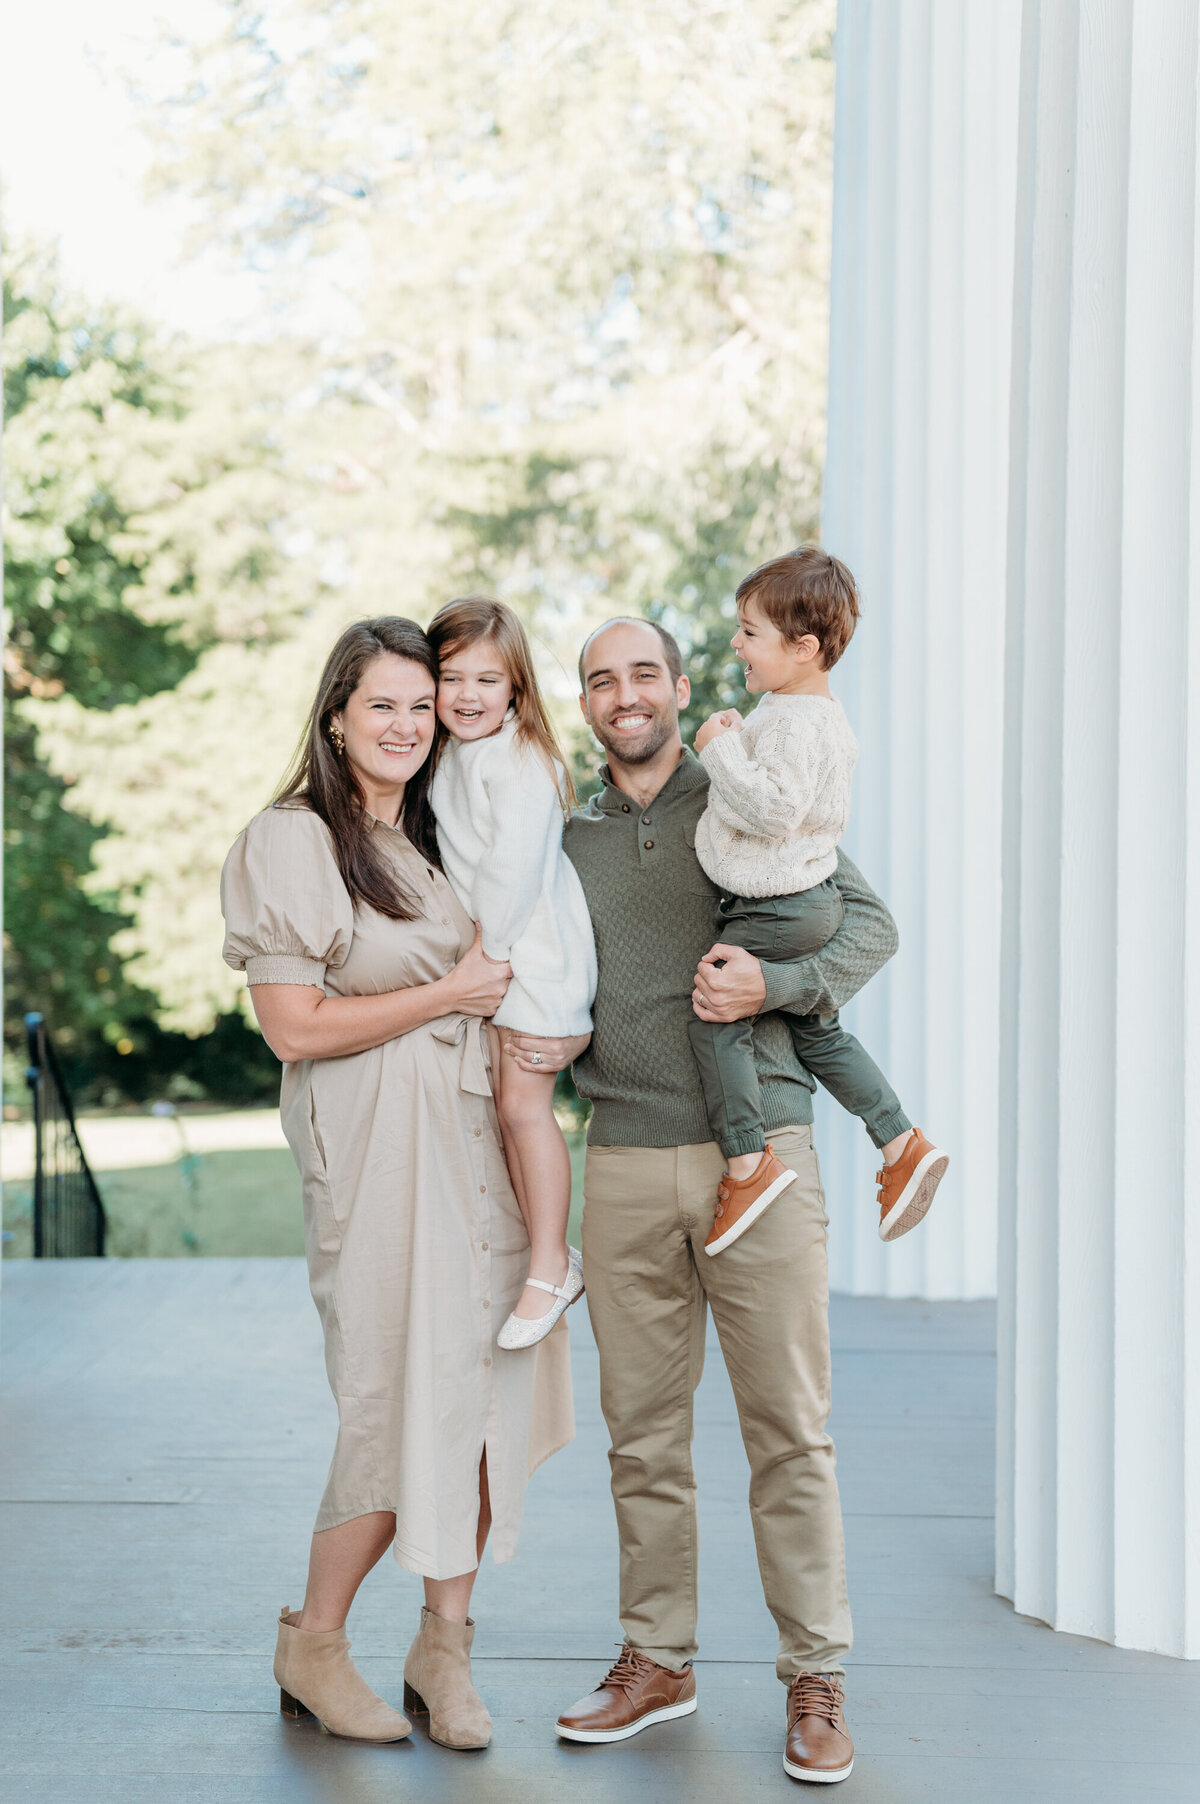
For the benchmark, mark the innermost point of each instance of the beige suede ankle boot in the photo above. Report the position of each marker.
(316, 1677)
(437, 1679)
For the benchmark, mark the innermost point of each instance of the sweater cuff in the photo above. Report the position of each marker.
(783, 989)
(719, 756)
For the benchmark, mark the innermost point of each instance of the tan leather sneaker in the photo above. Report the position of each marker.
(739, 1205)
(906, 1188)
(818, 1748)
(636, 1693)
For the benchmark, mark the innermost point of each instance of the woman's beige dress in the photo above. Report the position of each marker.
(416, 1248)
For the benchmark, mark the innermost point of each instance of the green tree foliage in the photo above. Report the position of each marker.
(132, 545)
(77, 387)
(550, 291)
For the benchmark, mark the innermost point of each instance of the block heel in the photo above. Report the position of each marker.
(438, 1683)
(315, 1665)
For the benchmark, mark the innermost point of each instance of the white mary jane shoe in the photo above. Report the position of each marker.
(517, 1332)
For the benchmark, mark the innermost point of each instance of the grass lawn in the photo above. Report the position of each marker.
(232, 1202)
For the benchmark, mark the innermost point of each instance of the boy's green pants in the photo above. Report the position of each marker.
(783, 929)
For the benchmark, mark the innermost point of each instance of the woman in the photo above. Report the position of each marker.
(370, 985)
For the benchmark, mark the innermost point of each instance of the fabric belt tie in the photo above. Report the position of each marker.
(469, 1033)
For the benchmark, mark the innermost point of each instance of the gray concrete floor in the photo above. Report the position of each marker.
(165, 1429)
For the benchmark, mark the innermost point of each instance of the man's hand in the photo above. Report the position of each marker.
(728, 721)
(729, 985)
(533, 1053)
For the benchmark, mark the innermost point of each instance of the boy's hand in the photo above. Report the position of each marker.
(728, 721)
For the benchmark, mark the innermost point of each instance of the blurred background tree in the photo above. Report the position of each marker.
(122, 552)
(577, 359)
(79, 391)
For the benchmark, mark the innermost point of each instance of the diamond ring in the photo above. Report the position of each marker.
(535, 1058)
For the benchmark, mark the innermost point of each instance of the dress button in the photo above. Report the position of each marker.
(488, 1360)
(478, 1131)
(483, 1190)
(624, 807)
(487, 1302)
(484, 1247)
(648, 844)
(645, 820)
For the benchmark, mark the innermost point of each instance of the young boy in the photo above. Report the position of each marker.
(779, 800)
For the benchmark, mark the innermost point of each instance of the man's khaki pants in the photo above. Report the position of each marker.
(647, 1212)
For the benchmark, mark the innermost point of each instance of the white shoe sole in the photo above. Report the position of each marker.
(752, 1214)
(912, 1204)
(644, 1722)
(833, 1777)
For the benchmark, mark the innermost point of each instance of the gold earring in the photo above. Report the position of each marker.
(337, 739)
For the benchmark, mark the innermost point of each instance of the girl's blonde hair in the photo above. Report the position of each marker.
(476, 617)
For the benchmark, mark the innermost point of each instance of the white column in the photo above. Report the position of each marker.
(1098, 1508)
(915, 489)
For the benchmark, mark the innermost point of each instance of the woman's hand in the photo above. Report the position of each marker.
(477, 983)
(728, 721)
(533, 1053)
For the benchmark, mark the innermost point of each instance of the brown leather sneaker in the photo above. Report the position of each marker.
(818, 1748)
(636, 1693)
(906, 1188)
(739, 1205)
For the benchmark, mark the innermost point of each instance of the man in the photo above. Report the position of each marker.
(650, 1189)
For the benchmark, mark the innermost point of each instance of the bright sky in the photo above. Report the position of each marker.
(72, 159)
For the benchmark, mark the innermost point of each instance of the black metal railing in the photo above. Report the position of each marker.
(68, 1215)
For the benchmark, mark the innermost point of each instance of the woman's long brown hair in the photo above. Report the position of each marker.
(476, 617)
(322, 779)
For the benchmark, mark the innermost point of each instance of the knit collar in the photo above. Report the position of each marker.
(688, 774)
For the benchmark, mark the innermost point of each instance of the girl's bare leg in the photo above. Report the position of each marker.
(451, 1598)
(512, 1157)
(540, 1167)
(338, 1562)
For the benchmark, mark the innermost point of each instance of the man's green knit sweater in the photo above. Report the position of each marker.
(654, 913)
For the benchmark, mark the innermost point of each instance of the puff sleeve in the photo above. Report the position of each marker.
(288, 915)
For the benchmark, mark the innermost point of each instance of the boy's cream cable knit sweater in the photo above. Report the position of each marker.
(779, 797)
(655, 916)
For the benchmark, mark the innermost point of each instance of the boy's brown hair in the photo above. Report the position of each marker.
(806, 591)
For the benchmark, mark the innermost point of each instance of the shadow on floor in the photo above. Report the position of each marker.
(166, 1428)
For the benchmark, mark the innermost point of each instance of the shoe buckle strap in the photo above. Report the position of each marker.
(553, 1290)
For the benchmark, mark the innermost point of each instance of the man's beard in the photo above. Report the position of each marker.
(658, 732)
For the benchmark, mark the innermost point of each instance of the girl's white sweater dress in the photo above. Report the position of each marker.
(499, 828)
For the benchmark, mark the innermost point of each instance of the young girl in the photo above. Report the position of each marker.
(500, 795)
